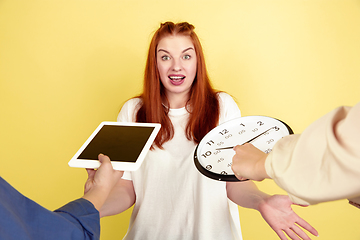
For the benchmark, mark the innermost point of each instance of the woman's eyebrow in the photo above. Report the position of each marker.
(162, 50)
(187, 49)
(190, 48)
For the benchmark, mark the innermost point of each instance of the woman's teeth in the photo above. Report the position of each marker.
(176, 78)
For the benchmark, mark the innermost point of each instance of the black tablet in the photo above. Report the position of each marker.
(126, 144)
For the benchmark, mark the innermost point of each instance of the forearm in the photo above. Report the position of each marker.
(97, 196)
(245, 194)
(324, 153)
(120, 199)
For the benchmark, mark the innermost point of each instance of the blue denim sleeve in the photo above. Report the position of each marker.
(82, 215)
(22, 218)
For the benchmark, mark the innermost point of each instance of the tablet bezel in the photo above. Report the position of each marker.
(117, 165)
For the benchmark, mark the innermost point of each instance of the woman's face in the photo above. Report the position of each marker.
(176, 61)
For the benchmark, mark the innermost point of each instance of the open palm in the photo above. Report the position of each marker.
(277, 212)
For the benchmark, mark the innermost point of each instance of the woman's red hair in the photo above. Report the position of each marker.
(203, 103)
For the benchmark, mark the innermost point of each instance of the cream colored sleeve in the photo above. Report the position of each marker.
(323, 163)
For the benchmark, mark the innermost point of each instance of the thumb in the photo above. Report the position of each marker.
(91, 173)
(103, 158)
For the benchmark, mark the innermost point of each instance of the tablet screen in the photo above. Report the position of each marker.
(120, 143)
(126, 144)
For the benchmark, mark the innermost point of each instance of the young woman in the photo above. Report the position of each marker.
(172, 199)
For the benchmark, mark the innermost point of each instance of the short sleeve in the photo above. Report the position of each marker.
(129, 110)
(228, 108)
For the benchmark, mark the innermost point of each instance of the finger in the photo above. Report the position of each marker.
(121, 173)
(304, 224)
(301, 205)
(281, 235)
(244, 179)
(241, 178)
(103, 158)
(91, 173)
(237, 147)
(300, 232)
(292, 234)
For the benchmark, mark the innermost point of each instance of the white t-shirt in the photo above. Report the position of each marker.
(174, 201)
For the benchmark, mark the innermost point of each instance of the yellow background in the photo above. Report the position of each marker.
(65, 66)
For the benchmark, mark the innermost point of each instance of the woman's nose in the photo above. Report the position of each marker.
(176, 65)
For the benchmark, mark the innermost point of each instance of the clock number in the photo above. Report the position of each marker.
(268, 150)
(211, 142)
(260, 123)
(241, 124)
(228, 136)
(255, 129)
(218, 151)
(207, 154)
(229, 165)
(242, 131)
(276, 128)
(223, 132)
(220, 143)
(220, 160)
(270, 141)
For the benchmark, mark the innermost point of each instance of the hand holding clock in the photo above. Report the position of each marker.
(242, 166)
(249, 163)
(213, 156)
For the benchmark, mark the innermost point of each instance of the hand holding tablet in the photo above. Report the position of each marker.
(126, 144)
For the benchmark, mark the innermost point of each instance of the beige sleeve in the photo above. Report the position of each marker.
(323, 163)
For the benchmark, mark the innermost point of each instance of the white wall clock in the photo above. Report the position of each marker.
(213, 155)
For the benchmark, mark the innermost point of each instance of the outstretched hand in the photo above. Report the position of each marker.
(105, 176)
(100, 182)
(249, 163)
(277, 212)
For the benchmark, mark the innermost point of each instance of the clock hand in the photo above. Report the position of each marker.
(247, 141)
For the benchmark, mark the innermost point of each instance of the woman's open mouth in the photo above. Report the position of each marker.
(177, 79)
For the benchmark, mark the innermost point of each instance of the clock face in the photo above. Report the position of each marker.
(213, 155)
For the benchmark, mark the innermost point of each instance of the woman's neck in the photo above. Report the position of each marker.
(177, 100)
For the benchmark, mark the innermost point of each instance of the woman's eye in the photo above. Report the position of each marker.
(165, 58)
(187, 57)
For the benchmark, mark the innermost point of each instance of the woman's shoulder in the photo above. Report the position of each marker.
(228, 107)
(133, 102)
(225, 97)
(129, 110)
